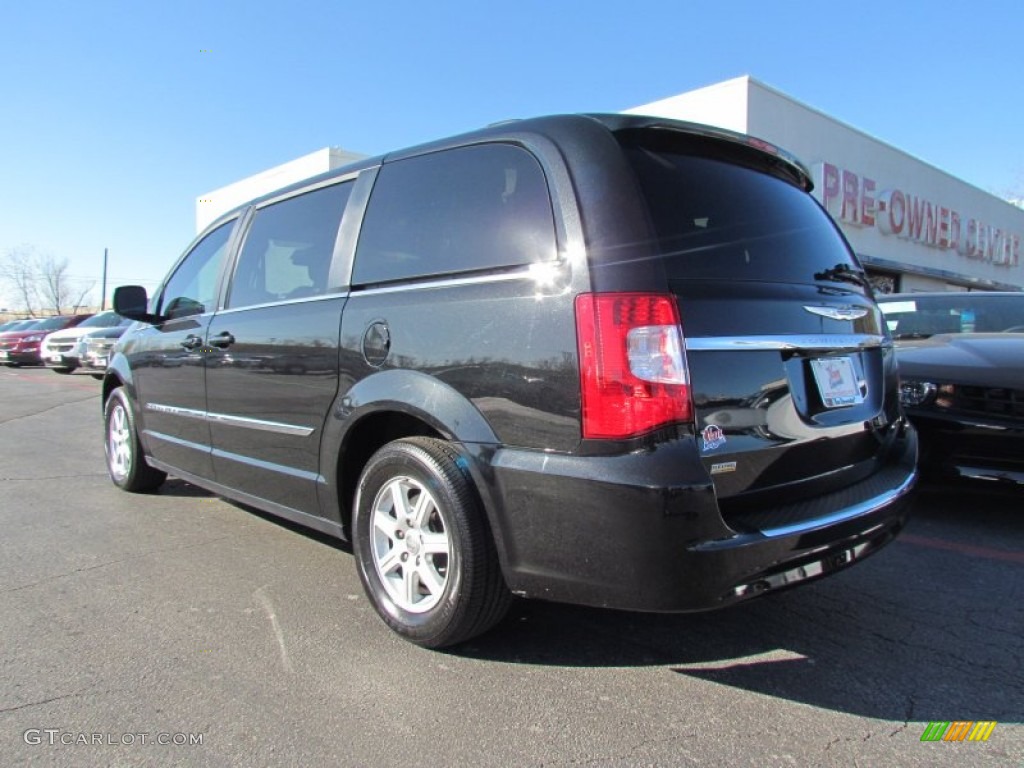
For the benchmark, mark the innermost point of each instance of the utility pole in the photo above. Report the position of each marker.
(103, 289)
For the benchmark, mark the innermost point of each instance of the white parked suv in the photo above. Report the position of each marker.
(59, 350)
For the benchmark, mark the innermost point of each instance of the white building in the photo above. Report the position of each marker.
(212, 204)
(913, 226)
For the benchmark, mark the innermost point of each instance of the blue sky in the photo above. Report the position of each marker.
(117, 115)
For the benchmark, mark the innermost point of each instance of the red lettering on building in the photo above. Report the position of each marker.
(830, 188)
(915, 217)
(943, 241)
(867, 202)
(852, 199)
(851, 187)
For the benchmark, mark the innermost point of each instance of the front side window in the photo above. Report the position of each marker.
(287, 252)
(461, 210)
(192, 289)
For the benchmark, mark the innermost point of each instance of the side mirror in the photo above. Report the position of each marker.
(131, 301)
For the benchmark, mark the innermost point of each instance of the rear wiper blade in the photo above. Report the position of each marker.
(844, 273)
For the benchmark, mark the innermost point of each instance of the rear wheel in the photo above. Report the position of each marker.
(125, 461)
(423, 547)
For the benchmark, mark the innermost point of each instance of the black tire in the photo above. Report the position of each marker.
(126, 463)
(432, 598)
(97, 376)
(62, 370)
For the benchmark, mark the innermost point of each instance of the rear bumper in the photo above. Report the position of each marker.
(635, 532)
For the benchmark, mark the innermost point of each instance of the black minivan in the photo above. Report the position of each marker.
(600, 359)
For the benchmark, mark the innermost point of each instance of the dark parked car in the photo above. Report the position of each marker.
(609, 360)
(21, 346)
(961, 361)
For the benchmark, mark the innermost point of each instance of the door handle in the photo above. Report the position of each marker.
(192, 341)
(222, 340)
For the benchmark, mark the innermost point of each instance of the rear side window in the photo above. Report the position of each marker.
(288, 249)
(461, 210)
(715, 218)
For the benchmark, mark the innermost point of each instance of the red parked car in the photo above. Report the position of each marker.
(21, 347)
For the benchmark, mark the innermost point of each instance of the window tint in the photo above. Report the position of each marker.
(287, 252)
(719, 219)
(192, 289)
(466, 209)
(961, 312)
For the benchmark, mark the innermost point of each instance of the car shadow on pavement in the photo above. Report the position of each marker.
(917, 632)
(175, 486)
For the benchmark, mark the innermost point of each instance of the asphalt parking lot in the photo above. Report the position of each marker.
(177, 629)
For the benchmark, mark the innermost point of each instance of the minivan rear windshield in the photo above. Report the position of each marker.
(723, 213)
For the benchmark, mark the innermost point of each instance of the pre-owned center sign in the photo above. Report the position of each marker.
(853, 198)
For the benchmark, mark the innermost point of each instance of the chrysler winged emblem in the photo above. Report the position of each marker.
(838, 313)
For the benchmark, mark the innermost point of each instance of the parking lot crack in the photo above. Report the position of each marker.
(29, 705)
(64, 404)
(907, 717)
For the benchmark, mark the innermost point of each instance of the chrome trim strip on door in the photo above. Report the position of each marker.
(173, 410)
(284, 302)
(414, 284)
(235, 421)
(267, 426)
(805, 342)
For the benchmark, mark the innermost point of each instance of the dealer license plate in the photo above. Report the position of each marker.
(836, 381)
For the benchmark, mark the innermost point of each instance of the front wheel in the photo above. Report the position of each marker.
(423, 547)
(125, 461)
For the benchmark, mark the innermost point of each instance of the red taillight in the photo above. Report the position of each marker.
(633, 373)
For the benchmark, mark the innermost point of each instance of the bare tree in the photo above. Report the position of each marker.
(41, 281)
(58, 291)
(18, 270)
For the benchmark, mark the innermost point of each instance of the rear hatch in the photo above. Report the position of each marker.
(792, 376)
